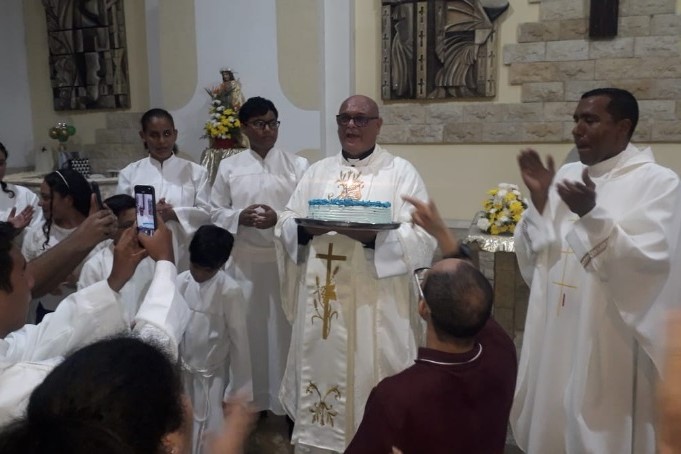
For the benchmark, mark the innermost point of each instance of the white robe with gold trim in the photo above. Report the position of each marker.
(600, 286)
(355, 318)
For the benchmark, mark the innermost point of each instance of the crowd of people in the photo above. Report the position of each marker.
(124, 342)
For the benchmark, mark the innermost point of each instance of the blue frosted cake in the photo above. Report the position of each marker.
(350, 210)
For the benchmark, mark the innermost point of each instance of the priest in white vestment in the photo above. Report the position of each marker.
(250, 190)
(349, 296)
(598, 247)
(182, 188)
(28, 352)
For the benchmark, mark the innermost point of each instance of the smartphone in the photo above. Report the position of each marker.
(98, 194)
(145, 205)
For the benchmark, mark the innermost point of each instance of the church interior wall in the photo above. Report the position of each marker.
(277, 56)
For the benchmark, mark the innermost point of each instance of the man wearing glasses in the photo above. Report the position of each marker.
(458, 394)
(347, 291)
(249, 189)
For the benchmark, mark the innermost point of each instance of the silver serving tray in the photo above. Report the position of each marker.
(307, 222)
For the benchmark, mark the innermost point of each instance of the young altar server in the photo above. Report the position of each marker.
(18, 205)
(214, 350)
(250, 189)
(182, 187)
(98, 267)
(65, 198)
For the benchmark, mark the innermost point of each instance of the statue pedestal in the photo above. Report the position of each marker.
(211, 157)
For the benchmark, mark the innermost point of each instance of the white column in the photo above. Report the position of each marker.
(337, 64)
(153, 33)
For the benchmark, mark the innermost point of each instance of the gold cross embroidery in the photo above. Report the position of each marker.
(326, 293)
(562, 284)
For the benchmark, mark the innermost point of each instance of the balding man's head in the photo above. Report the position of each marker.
(459, 298)
(358, 124)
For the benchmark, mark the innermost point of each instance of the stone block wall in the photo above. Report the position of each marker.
(118, 144)
(554, 62)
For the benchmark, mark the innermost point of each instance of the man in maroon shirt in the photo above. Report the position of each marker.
(457, 397)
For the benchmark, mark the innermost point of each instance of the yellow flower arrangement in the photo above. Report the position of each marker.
(502, 209)
(223, 123)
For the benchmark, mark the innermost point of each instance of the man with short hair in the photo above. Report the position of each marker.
(250, 189)
(598, 247)
(347, 291)
(458, 394)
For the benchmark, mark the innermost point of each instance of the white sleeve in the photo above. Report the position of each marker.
(240, 372)
(124, 182)
(90, 273)
(223, 214)
(163, 315)
(80, 319)
(194, 216)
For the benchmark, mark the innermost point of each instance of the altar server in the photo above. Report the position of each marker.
(182, 187)
(214, 349)
(65, 197)
(250, 190)
(98, 267)
(28, 352)
(18, 205)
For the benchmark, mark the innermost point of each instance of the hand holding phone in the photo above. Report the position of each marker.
(98, 195)
(145, 205)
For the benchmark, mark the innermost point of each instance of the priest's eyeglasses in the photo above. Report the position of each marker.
(261, 124)
(419, 279)
(359, 120)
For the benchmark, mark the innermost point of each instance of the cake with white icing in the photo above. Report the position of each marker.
(350, 210)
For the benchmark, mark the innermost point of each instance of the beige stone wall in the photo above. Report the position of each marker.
(553, 63)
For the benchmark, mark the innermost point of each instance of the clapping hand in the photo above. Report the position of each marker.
(536, 176)
(21, 220)
(579, 197)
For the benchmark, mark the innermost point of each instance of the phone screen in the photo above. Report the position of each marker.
(145, 205)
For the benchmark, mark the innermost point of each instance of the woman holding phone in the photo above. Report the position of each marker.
(181, 187)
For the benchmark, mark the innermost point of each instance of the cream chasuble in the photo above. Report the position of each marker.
(353, 308)
(599, 290)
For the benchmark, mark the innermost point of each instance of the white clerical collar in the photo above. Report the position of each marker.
(599, 169)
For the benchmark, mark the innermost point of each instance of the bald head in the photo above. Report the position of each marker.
(370, 106)
(459, 297)
(358, 125)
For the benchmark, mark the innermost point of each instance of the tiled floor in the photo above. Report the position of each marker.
(271, 437)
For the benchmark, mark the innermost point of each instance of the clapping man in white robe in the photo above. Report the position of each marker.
(348, 294)
(598, 247)
(250, 189)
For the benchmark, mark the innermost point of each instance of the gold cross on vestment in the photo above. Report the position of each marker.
(327, 292)
(562, 283)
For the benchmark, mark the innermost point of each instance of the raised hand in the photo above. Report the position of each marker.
(159, 246)
(427, 216)
(536, 176)
(127, 255)
(21, 220)
(266, 219)
(579, 197)
(98, 226)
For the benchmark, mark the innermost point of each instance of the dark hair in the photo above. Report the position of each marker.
(256, 106)
(3, 185)
(155, 113)
(7, 234)
(460, 300)
(622, 105)
(67, 182)
(210, 247)
(119, 203)
(121, 394)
